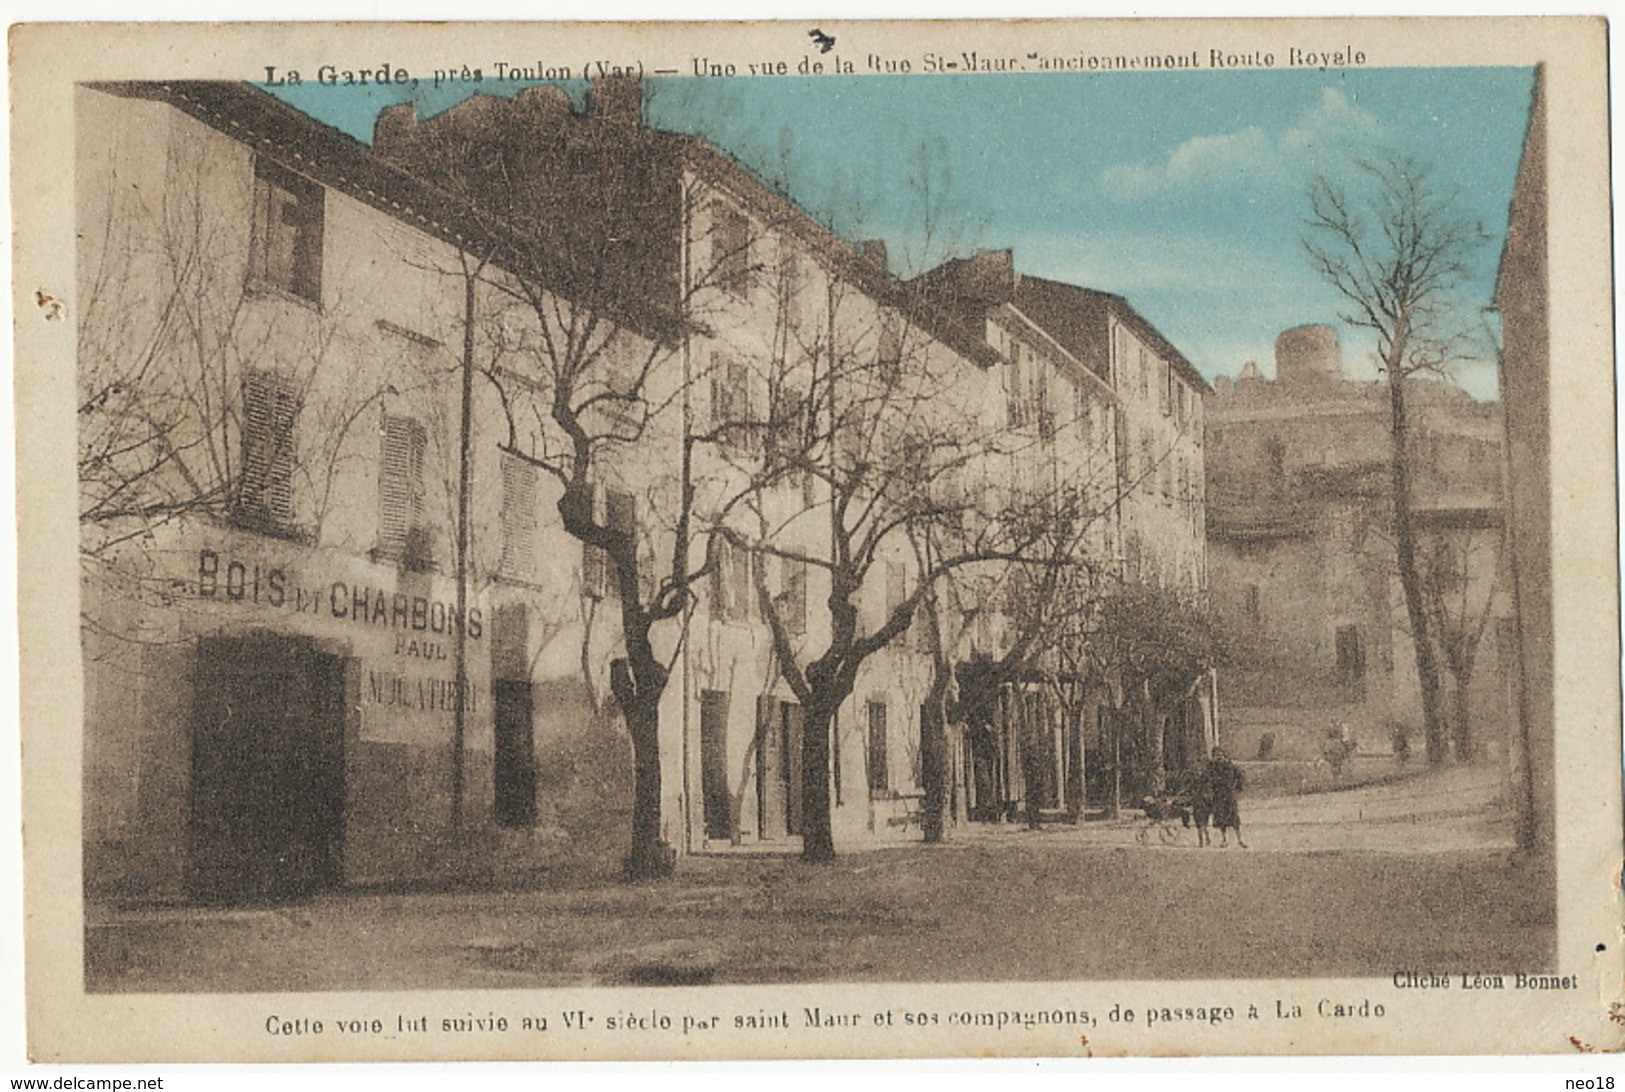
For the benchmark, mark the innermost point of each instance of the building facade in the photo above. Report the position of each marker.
(335, 629)
(1302, 558)
(1521, 296)
(1122, 411)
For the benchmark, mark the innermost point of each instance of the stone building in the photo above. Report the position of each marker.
(1302, 561)
(1521, 297)
(297, 675)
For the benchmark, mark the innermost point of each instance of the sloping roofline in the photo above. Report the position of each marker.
(845, 260)
(1128, 316)
(335, 159)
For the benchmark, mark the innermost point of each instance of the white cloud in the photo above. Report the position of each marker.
(1249, 157)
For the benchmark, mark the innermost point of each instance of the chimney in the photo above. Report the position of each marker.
(394, 128)
(990, 275)
(873, 251)
(616, 100)
(544, 101)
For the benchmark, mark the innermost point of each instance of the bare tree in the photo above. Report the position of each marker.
(1396, 249)
(174, 331)
(894, 460)
(583, 308)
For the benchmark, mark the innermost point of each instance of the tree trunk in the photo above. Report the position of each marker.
(1115, 806)
(1032, 765)
(934, 769)
(1075, 772)
(817, 838)
(650, 857)
(1151, 725)
(1461, 728)
(1410, 576)
(638, 683)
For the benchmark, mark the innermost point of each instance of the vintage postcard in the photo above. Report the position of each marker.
(818, 539)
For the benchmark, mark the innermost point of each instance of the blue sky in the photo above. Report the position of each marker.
(1182, 191)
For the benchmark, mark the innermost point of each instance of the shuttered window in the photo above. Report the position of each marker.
(795, 596)
(519, 518)
(730, 249)
(265, 489)
(879, 772)
(896, 588)
(401, 533)
(733, 410)
(288, 215)
(890, 356)
(619, 512)
(730, 584)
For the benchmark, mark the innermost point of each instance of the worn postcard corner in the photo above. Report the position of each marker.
(663, 541)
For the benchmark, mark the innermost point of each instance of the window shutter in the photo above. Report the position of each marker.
(731, 584)
(270, 410)
(879, 774)
(730, 249)
(795, 596)
(891, 348)
(719, 581)
(519, 518)
(620, 514)
(896, 587)
(594, 564)
(287, 231)
(740, 591)
(257, 440)
(400, 482)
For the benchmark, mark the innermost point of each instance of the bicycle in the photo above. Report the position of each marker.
(1167, 815)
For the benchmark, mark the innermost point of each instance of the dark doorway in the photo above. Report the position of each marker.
(770, 794)
(267, 790)
(514, 775)
(718, 801)
(779, 728)
(792, 725)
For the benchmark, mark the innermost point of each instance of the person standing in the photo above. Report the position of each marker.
(1224, 781)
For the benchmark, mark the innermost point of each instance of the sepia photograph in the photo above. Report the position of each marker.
(823, 540)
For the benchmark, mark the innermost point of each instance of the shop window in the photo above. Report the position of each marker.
(264, 500)
(287, 244)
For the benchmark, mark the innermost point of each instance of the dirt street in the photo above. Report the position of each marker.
(1359, 883)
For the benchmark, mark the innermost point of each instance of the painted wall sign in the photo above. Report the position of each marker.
(228, 579)
(420, 693)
